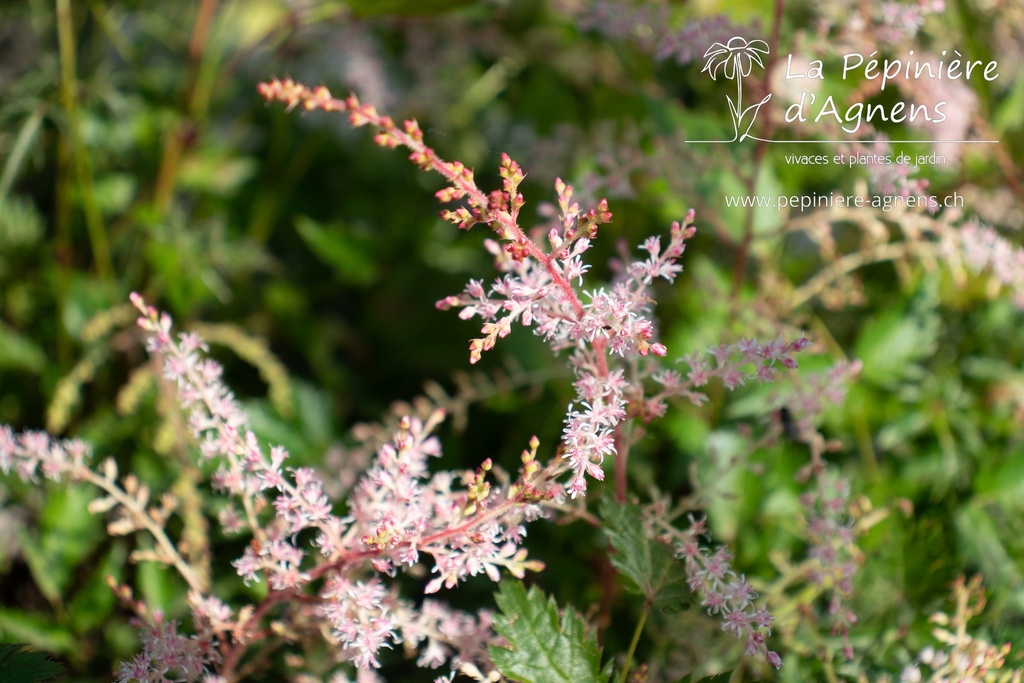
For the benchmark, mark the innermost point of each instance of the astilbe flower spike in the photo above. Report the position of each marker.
(398, 513)
(607, 331)
(721, 590)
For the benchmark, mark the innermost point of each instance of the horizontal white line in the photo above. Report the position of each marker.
(847, 142)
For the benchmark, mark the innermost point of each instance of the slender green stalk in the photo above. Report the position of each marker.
(22, 145)
(636, 639)
(79, 154)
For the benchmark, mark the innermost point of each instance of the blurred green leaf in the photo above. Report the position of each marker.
(978, 535)
(216, 172)
(19, 352)
(87, 296)
(903, 430)
(19, 150)
(308, 433)
(114, 192)
(37, 629)
(67, 535)
(158, 586)
(349, 255)
(1010, 113)
(38, 564)
(1002, 482)
(725, 446)
(891, 344)
(21, 224)
(94, 603)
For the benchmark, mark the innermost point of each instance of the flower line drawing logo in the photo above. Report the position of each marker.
(735, 59)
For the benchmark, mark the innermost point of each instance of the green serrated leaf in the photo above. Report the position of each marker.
(650, 567)
(541, 647)
(19, 664)
(717, 678)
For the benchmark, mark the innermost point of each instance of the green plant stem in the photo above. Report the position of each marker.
(196, 99)
(276, 189)
(623, 440)
(847, 264)
(636, 639)
(79, 154)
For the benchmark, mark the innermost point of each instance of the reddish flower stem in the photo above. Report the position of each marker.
(503, 222)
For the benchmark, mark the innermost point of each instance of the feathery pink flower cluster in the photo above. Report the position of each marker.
(244, 469)
(609, 331)
(900, 21)
(812, 394)
(962, 657)
(167, 655)
(732, 359)
(833, 553)
(723, 592)
(597, 327)
(400, 513)
(984, 248)
(33, 453)
(688, 43)
(397, 513)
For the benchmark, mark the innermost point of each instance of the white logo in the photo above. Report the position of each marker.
(734, 60)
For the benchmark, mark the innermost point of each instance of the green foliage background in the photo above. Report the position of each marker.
(136, 155)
